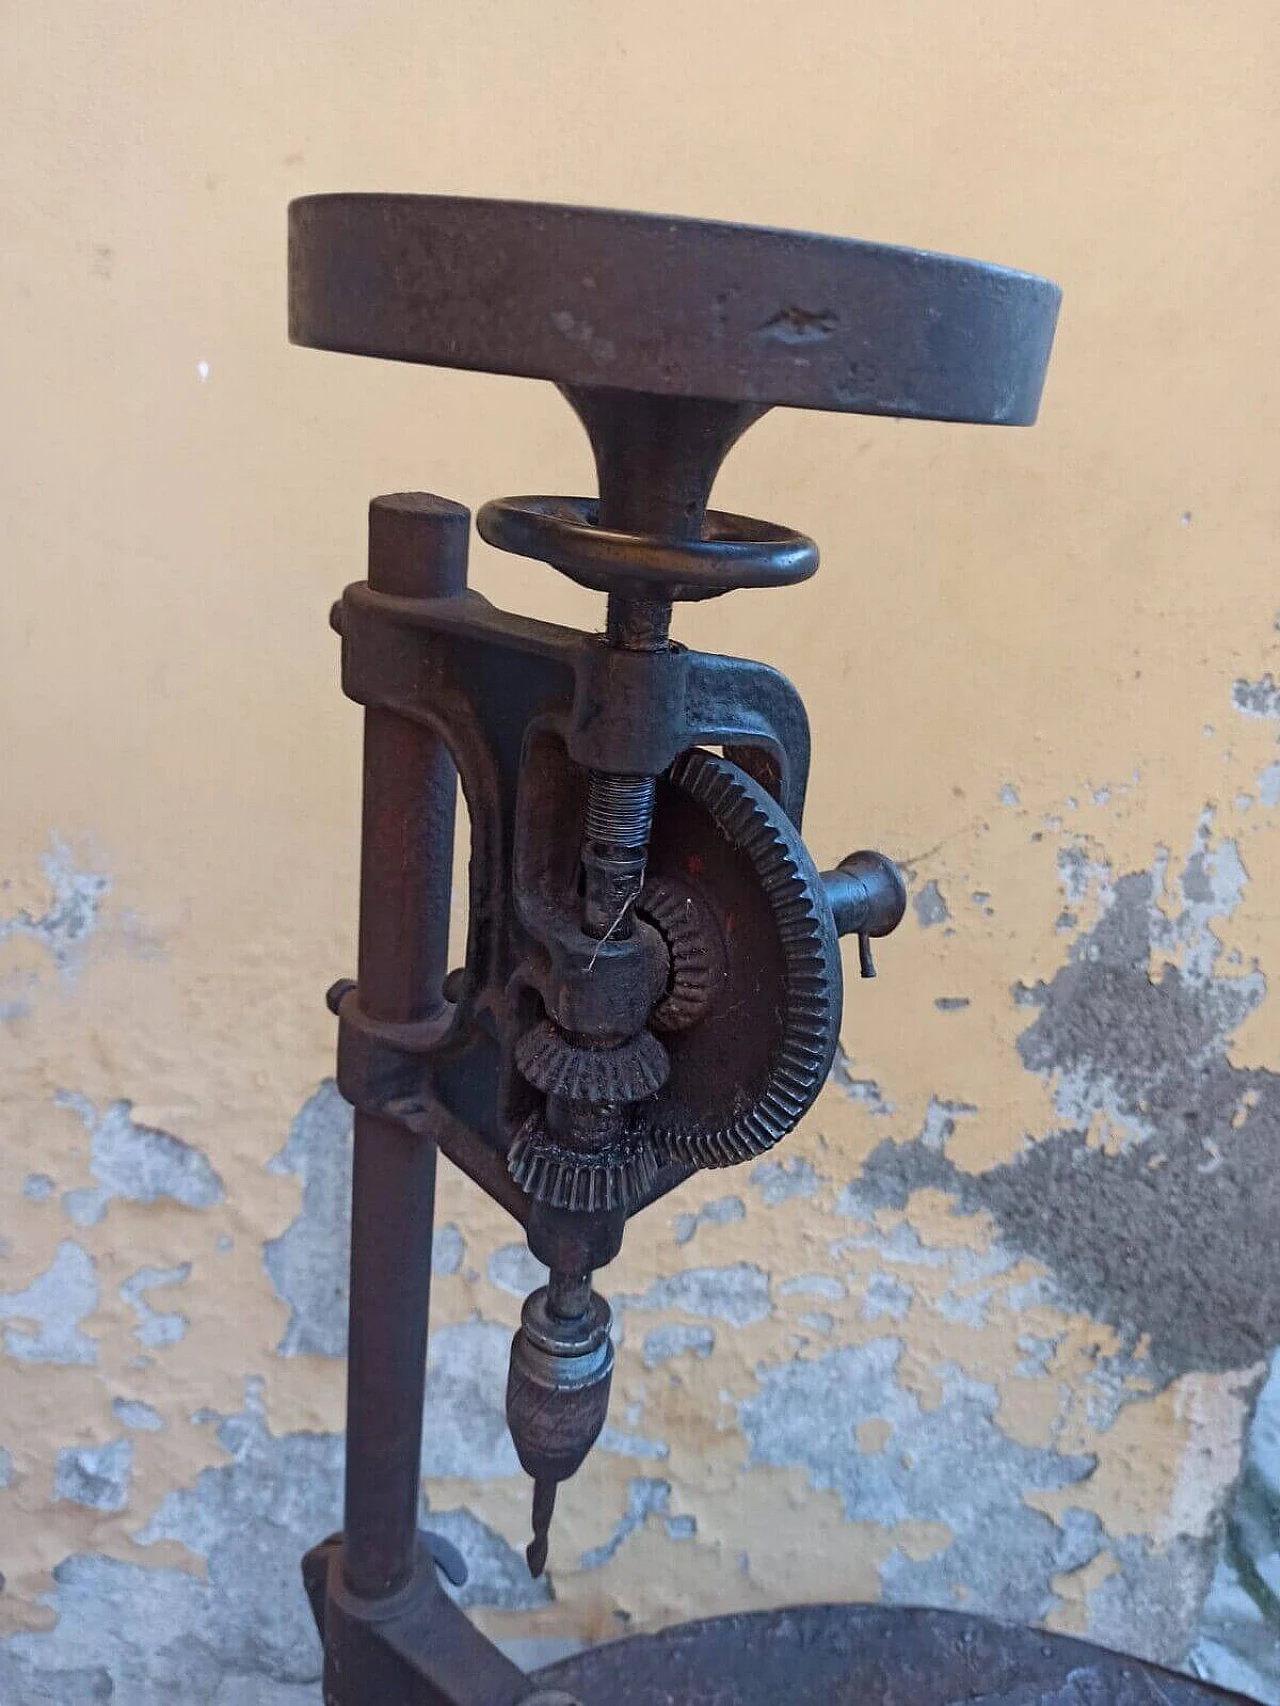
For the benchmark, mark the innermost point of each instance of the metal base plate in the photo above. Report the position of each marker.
(849, 1655)
(675, 307)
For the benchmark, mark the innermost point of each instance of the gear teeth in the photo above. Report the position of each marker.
(697, 965)
(626, 1073)
(553, 1175)
(802, 1060)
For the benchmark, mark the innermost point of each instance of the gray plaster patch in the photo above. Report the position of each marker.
(1237, 1641)
(497, 1573)
(38, 1187)
(645, 1498)
(1269, 786)
(1009, 795)
(155, 1328)
(465, 1431)
(864, 1092)
(6, 1468)
(664, 1344)
(818, 1321)
(930, 905)
(308, 1263)
(133, 1413)
(1185, 1205)
(241, 1635)
(1257, 698)
(448, 1249)
(71, 916)
(55, 1303)
(1190, 1209)
(738, 1295)
(724, 1211)
(885, 1298)
(812, 1285)
(781, 1181)
(622, 1444)
(97, 1476)
(515, 1269)
(950, 1465)
(136, 1163)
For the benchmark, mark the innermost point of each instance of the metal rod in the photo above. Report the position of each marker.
(417, 548)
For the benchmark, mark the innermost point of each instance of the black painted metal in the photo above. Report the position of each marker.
(851, 1655)
(417, 548)
(650, 981)
(674, 307)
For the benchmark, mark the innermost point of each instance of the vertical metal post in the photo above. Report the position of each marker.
(417, 549)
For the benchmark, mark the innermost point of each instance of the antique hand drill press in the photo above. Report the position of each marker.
(652, 979)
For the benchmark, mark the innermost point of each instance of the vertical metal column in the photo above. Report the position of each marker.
(417, 549)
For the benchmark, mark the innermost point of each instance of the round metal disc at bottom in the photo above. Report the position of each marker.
(856, 1655)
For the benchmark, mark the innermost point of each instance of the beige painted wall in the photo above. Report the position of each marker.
(1020, 660)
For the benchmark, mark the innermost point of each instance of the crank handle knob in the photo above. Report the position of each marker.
(868, 896)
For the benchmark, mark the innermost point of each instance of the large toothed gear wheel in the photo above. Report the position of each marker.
(748, 1066)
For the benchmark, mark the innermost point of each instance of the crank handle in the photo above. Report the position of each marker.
(868, 896)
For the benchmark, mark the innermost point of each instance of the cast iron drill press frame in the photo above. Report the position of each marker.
(652, 981)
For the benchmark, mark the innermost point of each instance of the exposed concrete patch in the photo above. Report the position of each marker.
(1257, 698)
(1186, 1205)
(497, 1574)
(951, 1465)
(242, 1635)
(812, 1285)
(97, 1476)
(724, 1211)
(56, 1302)
(71, 916)
(623, 1444)
(885, 1298)
(136, 1163)
(515, 1269)
(930, 905)
(1147, 1604)
(781, 1181)
(738, 1295)
(155, 1328)
(1237, 1642)
(133, 1413)
(308, 1263)
(664, 1344)
(465, 1432)
(448, 1249)
(1131, 1231)
(645, 1498)
(864, 1092)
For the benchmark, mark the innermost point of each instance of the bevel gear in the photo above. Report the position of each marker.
(626, 1072)
(744, 1073)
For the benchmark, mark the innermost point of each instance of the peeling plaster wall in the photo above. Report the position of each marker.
(998, 1327)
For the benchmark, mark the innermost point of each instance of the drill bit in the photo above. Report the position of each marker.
(544, 1503)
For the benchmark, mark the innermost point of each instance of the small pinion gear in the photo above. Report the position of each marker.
(693, 946)
(746, 1071)
(627, 1072)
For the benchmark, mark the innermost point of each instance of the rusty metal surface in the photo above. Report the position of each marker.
(678, 307)
(851, 1655)
(594, 1047)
